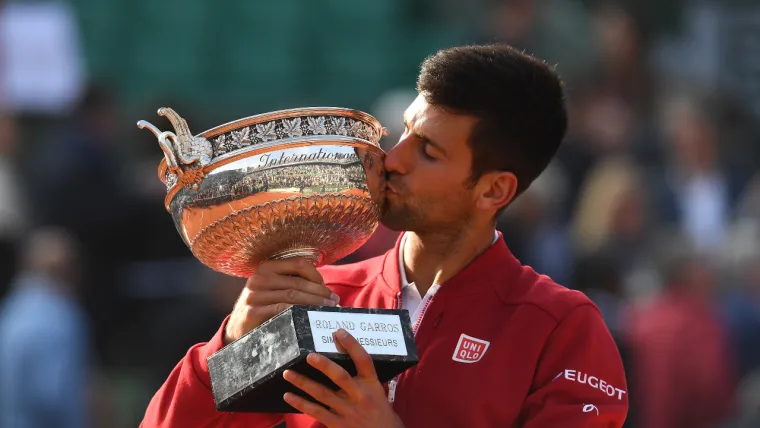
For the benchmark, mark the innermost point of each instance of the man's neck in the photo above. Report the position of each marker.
(434, 258)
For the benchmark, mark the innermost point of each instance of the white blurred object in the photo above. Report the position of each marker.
(704, 201)
(41, 66)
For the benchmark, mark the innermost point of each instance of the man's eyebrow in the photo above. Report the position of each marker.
(424, 137)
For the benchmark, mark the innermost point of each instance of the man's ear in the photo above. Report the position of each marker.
(497, 189)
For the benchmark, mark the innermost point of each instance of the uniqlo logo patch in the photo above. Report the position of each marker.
(469, 349)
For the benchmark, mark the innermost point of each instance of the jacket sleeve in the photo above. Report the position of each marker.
(186, 400)
(579, 380)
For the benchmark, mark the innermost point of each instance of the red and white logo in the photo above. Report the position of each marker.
(469, 349)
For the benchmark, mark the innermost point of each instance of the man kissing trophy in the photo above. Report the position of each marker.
(498, 344)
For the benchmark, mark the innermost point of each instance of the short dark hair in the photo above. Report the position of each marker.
(518, 99)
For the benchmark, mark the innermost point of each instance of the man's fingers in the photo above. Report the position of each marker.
(320, 392)
(338, 346)
(290, 296)
(336, 373)
(312, 409)
(365, 367)
(294, 266)
(270, 311)
(281, 282)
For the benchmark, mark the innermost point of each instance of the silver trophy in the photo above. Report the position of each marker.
(304, 183)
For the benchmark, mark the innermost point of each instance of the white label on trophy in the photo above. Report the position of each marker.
(379, 334)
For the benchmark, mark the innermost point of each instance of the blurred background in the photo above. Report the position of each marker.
(652, 206)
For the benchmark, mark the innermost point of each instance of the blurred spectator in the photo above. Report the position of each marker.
(603, 198)
(622, 71)
(79, 173)
(78, 185)
(601, 126)
(696, 189)
(681, 373)
(612, 219)
(533, 229)
(13, 213)
(44, 339)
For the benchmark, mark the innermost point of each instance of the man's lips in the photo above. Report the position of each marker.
(391, 186)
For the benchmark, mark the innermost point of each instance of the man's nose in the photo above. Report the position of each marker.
(397, 158)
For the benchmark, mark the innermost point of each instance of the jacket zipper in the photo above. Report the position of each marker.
(392, 383)
(425, 305)
(427, 300)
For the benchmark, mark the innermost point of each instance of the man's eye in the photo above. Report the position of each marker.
(424, 148)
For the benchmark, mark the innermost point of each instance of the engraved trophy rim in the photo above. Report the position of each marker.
(298, 112)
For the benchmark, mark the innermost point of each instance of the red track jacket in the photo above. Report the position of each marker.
(499, 346)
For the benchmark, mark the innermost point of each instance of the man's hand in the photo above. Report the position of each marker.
(361, 401)
(276, 285)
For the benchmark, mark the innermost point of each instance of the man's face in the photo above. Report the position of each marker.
(428, 172)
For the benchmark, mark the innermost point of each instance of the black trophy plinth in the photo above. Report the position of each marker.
(246, 375)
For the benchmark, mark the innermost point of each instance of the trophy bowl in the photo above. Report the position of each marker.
(303, 182)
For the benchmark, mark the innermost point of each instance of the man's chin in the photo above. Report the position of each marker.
(397, 222)
(393, 226)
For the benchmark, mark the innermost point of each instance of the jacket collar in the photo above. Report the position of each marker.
(491, 267)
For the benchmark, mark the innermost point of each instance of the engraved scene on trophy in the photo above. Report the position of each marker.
(290, 172)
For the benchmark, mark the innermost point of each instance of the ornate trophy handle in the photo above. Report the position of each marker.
(180, 147)
(179, 124)
(166, 140)
(185, 156)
